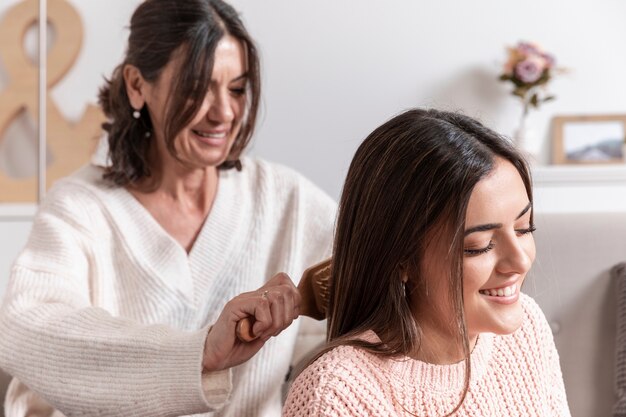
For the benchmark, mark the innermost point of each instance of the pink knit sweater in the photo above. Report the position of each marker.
(513, 375)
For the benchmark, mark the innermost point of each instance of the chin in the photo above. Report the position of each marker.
(508, 325)
(213, 158)
(501, 323)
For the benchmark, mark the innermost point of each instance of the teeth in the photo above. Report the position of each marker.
(500, 292)
(210, 135)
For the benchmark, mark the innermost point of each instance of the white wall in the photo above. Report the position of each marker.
(334, 70)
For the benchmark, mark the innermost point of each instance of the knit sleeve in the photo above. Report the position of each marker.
(81, 359)
(556, 387)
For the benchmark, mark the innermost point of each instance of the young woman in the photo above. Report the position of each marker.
(426, 318)
(125, 300)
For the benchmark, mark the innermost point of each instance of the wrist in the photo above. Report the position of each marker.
(209, 360)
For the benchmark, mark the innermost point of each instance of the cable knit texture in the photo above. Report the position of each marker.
(513, 375)
(106, 314)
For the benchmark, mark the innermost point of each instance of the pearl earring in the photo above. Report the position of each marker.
(136, 114)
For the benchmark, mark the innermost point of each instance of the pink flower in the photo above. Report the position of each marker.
(530, 69)
(550, 60)
(529, 48)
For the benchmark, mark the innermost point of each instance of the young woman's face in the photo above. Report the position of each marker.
(207, 140)
(498, 252)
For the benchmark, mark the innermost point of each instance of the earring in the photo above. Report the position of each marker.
(136, 114)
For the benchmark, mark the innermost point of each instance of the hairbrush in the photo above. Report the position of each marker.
(314, 291)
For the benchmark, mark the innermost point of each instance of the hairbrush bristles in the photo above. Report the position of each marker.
(321, 286)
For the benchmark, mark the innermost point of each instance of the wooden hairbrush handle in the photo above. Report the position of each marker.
(313, 289)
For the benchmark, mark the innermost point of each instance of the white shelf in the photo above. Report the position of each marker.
(17, 212)
(572, 175)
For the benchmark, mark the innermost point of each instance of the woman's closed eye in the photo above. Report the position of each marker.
(525, 231)
(479, 251)
(238, 91)
(238, 88)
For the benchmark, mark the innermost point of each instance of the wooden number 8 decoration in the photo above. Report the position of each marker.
(70, 144)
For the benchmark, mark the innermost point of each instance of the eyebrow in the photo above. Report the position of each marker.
(241, 77)
(491, 226)
(234, 80)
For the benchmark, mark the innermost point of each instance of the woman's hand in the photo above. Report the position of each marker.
(274, 306)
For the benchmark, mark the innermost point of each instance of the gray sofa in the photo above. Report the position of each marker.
(572, 283)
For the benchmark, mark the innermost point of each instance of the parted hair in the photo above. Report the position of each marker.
(411, 177)
(158, 29)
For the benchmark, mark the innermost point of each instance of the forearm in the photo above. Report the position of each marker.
(81, 359)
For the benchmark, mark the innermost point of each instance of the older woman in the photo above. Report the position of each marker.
(126, 296)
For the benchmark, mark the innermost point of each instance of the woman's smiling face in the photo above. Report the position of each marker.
(499, 250)
(207, 140)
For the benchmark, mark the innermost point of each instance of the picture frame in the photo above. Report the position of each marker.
(589, 139)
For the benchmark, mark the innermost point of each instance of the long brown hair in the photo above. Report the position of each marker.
(158, 29)
(411, 176)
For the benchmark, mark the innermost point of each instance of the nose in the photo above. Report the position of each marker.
(220, 107)
(516, 255)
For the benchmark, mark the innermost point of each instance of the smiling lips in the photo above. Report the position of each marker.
(212, 137)
(216, 134)
(504, 292)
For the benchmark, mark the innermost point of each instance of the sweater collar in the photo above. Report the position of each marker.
(161, 255)
(436, 378)
(444, 378)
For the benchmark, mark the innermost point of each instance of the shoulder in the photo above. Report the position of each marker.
(337, 378)
(285, 189)
(78, 197)
(86, 180)
(284, 176)
(533, 315)
(535, 330)
(341, 366)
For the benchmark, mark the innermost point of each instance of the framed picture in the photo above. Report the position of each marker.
(597, 139)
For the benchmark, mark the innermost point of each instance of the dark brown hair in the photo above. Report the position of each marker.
(158, 29)
(411, 176)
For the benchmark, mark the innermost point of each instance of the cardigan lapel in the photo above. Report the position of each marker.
(151, 246)
(223, 236)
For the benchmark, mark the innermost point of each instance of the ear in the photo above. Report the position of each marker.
(135, 86)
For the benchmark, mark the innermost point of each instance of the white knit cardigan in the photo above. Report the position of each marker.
(106, 314)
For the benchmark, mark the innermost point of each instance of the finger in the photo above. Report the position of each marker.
(262, 315)
(277, 307)
(244, 330)
(289, 309)
(279, 279)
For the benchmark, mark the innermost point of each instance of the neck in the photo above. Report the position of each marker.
(191, 188)
(441, 347)
(441, 342)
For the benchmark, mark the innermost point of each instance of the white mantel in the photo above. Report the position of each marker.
(580, 188)
(561, 175)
